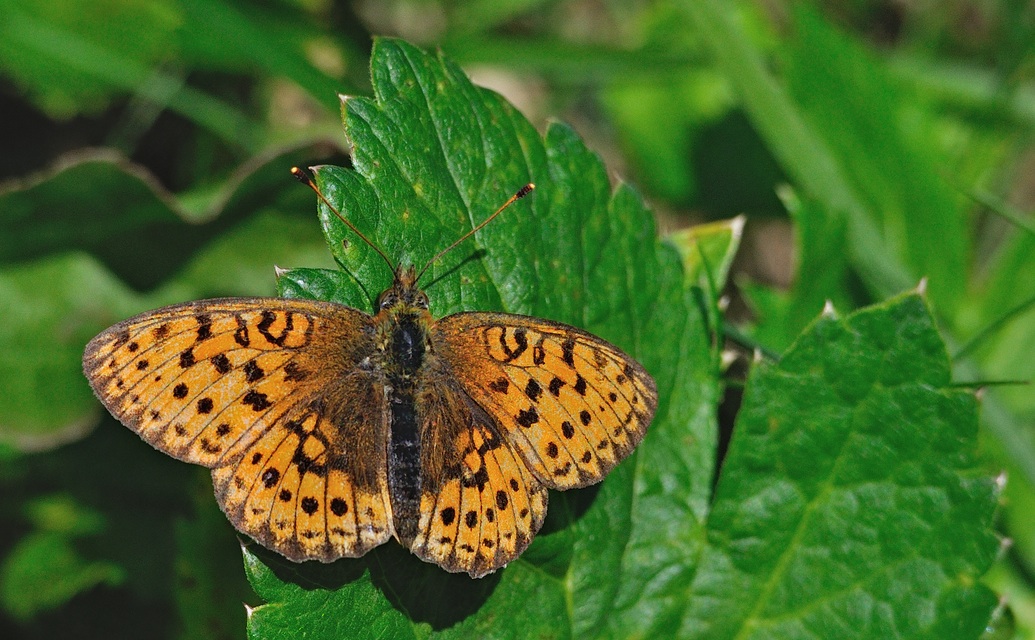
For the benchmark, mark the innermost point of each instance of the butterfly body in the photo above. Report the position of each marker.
(329, 430)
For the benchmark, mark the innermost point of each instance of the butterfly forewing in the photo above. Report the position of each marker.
(573, 405)
(269, 393)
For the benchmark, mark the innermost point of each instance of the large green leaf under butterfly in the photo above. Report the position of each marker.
(433, 156)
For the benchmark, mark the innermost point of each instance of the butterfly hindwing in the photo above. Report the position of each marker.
(313, 486)
(480, 506)
(570, 403)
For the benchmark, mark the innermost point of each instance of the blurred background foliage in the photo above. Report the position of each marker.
(869, 143)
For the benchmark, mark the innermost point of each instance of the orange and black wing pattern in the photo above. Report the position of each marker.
(480, 506)
(571, 404)
(268, 393)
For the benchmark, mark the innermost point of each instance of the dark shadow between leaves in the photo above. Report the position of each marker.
(308, 575)
(421, 591)
(424, 592)
(568, 507)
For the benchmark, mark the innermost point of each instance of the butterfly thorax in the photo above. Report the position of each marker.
(402, 323)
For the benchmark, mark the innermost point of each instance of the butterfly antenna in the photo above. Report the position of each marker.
(304, 178)
(521, 193)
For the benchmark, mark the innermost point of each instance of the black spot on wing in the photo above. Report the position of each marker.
(221, 363)
(520, 339)
(253, 371)
(568, 430)
(268, 318)
(527, 417)
(580, 384)
(294, 373)
(258, 401)
(448, 515)
(339, 507)
(204, 326)
(241, 336)
(270, 477)
(555, 386)
(533, 390)
(568, 352)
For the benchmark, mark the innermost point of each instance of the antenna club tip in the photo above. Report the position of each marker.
(525, 190)
(302, 176)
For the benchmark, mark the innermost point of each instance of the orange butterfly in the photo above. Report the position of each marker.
(329, 430)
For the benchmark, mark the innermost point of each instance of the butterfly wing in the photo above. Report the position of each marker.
(571, 404)
(480, 506)
(273, 396)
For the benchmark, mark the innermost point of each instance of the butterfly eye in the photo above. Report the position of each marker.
(388, 299)
(422, 301)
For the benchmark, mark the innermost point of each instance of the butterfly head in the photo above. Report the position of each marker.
(404, 294)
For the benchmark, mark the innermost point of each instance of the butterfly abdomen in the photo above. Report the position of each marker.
(404, 358)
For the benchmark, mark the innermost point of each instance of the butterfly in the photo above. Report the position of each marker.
(329, 430)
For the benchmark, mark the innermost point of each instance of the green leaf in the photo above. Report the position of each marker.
(100, 202)
(54, 297)
(850, 505)
(708, 250)
(45, 570)
(820, 276)
(51, 309)
(884, 149)
(433, 155)
(209, 588)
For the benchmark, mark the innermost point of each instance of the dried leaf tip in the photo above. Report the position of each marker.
(1004, 546)
(828, 309)
(1000, 481)
(921, 287)
(737, 226)
(278, 271)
